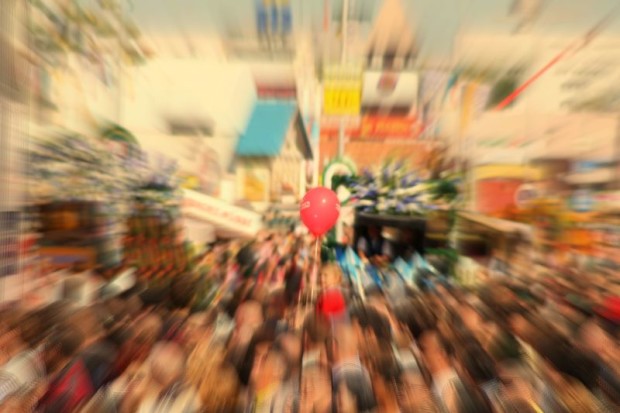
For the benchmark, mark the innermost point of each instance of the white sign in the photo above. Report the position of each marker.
(220, 214)
(398, 89)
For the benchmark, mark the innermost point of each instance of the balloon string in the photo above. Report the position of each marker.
(316, 267)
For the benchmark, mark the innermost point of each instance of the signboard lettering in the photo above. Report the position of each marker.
(213, 210)
(380, 127)
(342, 91)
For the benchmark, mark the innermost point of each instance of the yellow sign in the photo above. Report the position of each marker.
(256, 184)
(342, 101)
(342, 91)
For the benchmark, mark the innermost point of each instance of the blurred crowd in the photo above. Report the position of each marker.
(265, 344)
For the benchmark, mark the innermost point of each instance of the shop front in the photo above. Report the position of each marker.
(273, 157)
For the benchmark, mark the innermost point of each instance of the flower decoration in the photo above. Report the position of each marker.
(395, 189)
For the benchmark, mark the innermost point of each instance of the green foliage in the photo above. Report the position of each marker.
(444, 189)
(450, 255)
(502, 89)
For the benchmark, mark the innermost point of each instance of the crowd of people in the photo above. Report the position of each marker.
(263, 344)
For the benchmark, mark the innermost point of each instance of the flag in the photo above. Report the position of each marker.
(404, 269)
(432, 88)
(358, 271)
(286, 17)
(481, 98)
(275, 18)
(341, 259)
(326, 15)
(450, 85)
(467, 105)
(261, 16)
(374, 277)
(419, 263)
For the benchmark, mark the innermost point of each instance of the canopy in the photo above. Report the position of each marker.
(267, 129)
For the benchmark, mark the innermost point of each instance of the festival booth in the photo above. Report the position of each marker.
(477, 235)
(414, 211)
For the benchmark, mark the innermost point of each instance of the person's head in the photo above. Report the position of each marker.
(477, 364)
(593, 337)
(10, 339)
(518, 322)
(316, 331)
(374, 231)
(275, 306)
(257, 349)
(316, 388)
(417, 318)
(291, 347)
(183, 290)
(148, 330)
(198, 327)
(86, 321)
(332, 275)
(466, 398)
(354, 394)
(219, 392)
(167, 363)
(471, 318)
(387, 377)
(434, 350)
(516, 380)
(519, 406)
(563, 360)
(372, 327)
(203, 361)
(413, 392)
(344, 344)
(62, 346)
(249, 315)
(270, 368)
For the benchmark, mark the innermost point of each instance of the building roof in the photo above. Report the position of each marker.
(267, 129)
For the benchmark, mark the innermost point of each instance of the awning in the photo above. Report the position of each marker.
(267, 129)
(227, 219)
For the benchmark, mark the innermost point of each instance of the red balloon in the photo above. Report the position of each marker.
(319, 210)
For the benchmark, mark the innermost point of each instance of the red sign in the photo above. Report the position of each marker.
(495, 196)
(378, 127)
(275, 92)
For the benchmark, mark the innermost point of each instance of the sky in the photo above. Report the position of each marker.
(437, 21)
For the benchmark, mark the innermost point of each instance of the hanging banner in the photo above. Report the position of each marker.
(219, 213)
(467, 105)
(389, 127)
(286, 17)
(262, 7)
(342, 91)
